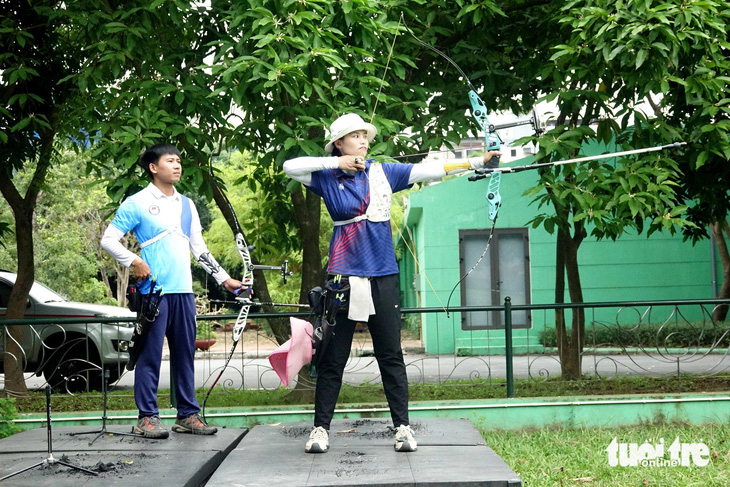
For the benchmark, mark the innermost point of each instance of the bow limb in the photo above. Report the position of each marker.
(242, 318)
(245, 252)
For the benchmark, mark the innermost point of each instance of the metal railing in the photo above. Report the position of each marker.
(68, 353)
(650, 338)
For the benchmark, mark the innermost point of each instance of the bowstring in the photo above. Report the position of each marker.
(385, 72)
(481, 257)
(471, 86)
(439, 52)
(245, 309)
(367, 176)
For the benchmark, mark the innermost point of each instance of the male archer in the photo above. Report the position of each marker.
(168, 229)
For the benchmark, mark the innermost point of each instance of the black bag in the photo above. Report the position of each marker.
(134, 298)
(325, 304)
(316, 301)
(148, 305)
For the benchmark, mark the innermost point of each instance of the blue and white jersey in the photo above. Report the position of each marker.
(150, 213)
(361, 248)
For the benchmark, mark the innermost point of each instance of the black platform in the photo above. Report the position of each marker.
(450, 452)
(180, 460)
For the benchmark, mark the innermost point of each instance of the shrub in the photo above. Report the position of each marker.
(654, 335)
(7, 414)
(204, 330)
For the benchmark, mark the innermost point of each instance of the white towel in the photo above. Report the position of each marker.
(361, 299)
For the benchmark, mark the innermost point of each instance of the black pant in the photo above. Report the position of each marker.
(384, 326)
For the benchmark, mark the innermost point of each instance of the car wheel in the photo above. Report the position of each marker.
(70, 369)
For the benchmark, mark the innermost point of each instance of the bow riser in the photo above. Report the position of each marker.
(491, 143)
(247, 280)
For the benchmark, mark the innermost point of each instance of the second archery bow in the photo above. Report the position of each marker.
(244, 297)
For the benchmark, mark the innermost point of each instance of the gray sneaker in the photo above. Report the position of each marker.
(319, 441)
(404, 440)
(150, 427)
(194, 425)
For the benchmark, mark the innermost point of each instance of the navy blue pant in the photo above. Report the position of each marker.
(385, 328)
(176, 320)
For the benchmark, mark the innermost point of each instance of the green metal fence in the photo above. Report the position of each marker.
(652, 338)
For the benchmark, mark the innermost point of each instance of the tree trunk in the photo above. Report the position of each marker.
(560, 328)
(571, 362)
(717, 228)
(570, 345)
(23, 211)
(307, 208)
(14, 358)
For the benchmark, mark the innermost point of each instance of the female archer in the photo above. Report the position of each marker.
(357, 193)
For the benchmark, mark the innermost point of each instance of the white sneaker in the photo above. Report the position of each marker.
(318, 441)
(404, 440)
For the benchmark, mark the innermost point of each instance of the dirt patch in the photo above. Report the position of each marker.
(112, 466)
(297, 432)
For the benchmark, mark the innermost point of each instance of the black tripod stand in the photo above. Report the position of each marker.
(103, 431)
(49, 461)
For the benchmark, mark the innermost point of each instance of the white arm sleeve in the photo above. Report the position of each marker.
(110, 242)
(435, 170)
(301, 168)
(200, 251)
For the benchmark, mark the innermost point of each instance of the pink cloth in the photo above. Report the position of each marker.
(295, 353)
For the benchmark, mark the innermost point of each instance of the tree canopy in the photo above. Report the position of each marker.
(268, 76)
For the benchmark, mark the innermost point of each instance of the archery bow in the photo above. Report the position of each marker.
(492, 142)
(244, 250)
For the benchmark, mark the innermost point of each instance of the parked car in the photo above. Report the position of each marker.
(71, 356)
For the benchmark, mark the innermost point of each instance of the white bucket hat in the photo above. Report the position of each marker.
(346, 124)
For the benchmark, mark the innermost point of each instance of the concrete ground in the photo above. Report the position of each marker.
(450, 452)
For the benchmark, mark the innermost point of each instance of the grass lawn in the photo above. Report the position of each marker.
(541, 457)
(368, 394)
(562, 457)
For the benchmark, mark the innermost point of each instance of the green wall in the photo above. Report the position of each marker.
(662, 267)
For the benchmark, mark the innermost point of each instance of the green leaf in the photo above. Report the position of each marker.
(614, 53)
(20, 125)
(549, 225)
(701, 159)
